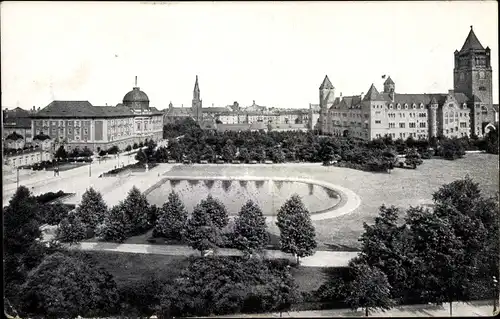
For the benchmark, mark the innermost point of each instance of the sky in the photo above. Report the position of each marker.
(273, 53)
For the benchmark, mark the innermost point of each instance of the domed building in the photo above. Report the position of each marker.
(136, 99)
(80, 124)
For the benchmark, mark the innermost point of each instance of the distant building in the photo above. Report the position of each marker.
(14, 141)
(81, 124)
(234, 114)
(461, 112)
(18, 121)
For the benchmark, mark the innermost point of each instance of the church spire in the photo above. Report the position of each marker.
(326, 84)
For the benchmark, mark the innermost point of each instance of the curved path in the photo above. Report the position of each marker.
(348, 203)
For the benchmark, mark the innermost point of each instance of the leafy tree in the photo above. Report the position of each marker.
(54, 213)
(71, 229)
(370, 289)
(114, 150)
(116, 225)
(385, 245)
(141, 157)
(413, 158)
(277, 155)
(204, 227)
(65, 287)
(128, 148)
(435, 245)
(61, 153)
(91, 210)
(250, 228)
(172, 219)
(451, 149)
(491, 140)
(244, 155)
(135, 146)
(227, 286)
(200, 232)
(141, 297)
(22, 247)
(297, 234)
(138, 211)
(228, 152)
(216, 211)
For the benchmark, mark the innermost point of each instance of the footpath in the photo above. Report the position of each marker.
(319, 259)
(483, 308)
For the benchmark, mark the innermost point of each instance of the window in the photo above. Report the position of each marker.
(392, 125)
(402, 125)
(377, 122)
(463, 124)
(451, 130)
(412, 125)
(446, 114)
(445, 121)
(422, 124)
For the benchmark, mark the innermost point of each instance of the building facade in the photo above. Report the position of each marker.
(80, 124)
(285, 119)
(461, 112)
(17, 121)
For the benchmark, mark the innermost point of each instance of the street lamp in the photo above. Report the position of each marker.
(90, 168)
(17, 177)
(495, 285)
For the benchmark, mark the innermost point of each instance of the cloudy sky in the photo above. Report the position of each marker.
(274, 53)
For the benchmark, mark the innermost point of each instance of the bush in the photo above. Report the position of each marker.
(128, 148)
(113, 150)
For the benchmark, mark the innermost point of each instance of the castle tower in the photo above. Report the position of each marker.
(326, 99)
(389, 86)
(472, 75)
(196, 105)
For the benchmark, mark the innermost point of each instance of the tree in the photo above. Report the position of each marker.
(228, 151)
(91, 210)
(221, 286)
(413, 158)
(250, 233)
(216, 211)
(116, 225)
(65, 287)
(203, 229)
(114, 150)
(434, 245)
(297, 234)
(141, 157)
(61, 153)
(23, 249)
(71, 229)
(54, 213)
(128, 148)
(244, 155)
(451, 149)
(138, 211)
(370, 289)
(491, 140)
(172, 219)
(277, 155)
(385, 245)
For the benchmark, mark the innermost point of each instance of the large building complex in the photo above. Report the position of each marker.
(81, 124)
(221, 117)
(463, 111)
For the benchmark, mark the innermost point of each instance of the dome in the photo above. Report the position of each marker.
(136, 98)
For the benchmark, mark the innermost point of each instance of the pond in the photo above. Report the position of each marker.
(268, 194)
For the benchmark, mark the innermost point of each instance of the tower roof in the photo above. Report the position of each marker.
(388, 81)
(471, 43)
(372, 94)
(196, 87)
(326, 84)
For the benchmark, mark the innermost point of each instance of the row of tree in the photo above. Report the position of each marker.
(450, 253)
(205, 229)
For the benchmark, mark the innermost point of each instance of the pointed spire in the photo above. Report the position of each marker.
(389, 81)
(471, 42)
(326, 84)
(372, 94)
(196, 87)
(135, 81)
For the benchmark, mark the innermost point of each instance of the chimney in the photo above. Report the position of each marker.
(34, 109)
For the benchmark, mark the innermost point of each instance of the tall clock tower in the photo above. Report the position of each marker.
(472, 75)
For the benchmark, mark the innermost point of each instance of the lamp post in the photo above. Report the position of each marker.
(495, 285)
(17, 180)
(90, 168)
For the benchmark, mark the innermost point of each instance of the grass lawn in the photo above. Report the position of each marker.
(402, 188)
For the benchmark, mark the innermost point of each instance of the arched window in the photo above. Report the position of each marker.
(414, 106)
(399, 106)
(406, 106)
(421, 105)
(391, 106)
(446, 114)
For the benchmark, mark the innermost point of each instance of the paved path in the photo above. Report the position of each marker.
(460, 309)
(319, 259)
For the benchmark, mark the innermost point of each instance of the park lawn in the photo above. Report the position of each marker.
(127, 267)
(401, 188)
